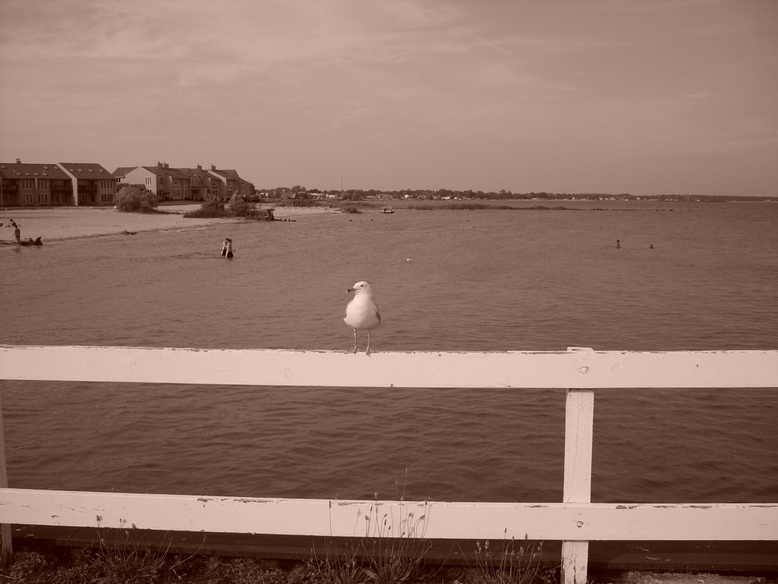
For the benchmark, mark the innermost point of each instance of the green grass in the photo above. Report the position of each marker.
(389, 549)
(117, 567)
(299, 203)
(372, 561)
(208, 212)
(514, 563)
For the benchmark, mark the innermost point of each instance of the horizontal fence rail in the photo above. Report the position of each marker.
(540, 370)
(575, 521)
(434, 520)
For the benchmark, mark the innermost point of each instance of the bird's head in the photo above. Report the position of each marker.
(360, 288)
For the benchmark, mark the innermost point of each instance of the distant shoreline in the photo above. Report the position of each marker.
(481, 207)
(550, 204)
(70, 223)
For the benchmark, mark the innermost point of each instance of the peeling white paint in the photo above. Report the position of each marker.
(514, 369)
(575, 522)
(441, 520)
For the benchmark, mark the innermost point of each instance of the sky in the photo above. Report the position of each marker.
(597, 96)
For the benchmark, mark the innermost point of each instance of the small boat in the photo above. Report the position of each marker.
(387, 210)
(28, 241)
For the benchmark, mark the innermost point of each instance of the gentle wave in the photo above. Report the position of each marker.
(484, 280)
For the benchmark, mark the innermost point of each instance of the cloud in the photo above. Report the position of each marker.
(198, 43)
(610, 78)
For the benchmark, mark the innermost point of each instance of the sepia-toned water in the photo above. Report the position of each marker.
(444, 280)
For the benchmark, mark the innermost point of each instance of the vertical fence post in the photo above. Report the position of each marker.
(579, 425)
(5, 529)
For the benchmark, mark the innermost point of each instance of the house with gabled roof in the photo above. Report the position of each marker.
(175, 184)
(172, 184)
(24, 184)
(67, 183)
(92, 184)
(231, 181)
(201, 183)
(121, 172)
(136, 175)
(165, 182)
(169, 184)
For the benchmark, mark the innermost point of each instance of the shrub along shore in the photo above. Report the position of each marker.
(514, 564)
(374, 561)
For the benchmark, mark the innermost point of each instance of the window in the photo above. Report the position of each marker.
(43, 185)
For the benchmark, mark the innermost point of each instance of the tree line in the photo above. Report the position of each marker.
(300, 192)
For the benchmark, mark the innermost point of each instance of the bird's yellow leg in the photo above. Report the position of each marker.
(367, 351)
(355, 340)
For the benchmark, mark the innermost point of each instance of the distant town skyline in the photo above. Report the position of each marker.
(644, 97)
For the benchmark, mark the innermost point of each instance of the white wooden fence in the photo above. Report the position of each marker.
(575, 521)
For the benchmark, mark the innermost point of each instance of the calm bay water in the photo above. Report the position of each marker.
(481, 280)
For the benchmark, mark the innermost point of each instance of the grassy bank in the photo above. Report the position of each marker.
(381, 561)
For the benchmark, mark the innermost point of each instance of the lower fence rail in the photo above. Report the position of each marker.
(575, 522)
(409, 519)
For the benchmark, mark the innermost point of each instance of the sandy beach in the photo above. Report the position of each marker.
(61, 223)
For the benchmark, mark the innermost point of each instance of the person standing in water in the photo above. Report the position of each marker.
(227, 248)
(17, 233)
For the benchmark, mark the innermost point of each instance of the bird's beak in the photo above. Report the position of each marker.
(350, 289)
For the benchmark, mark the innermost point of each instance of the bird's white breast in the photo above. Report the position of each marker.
(362, 313)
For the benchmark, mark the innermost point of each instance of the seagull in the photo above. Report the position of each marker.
(362, 313)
